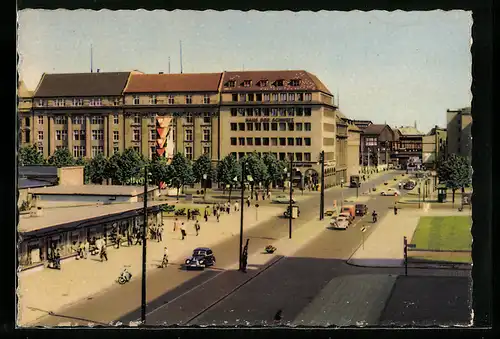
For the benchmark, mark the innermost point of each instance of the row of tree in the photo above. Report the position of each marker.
(455, 172)
(127, 168)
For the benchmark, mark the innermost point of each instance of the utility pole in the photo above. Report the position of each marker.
(180, 49)
(405, 243)
(144, 230)
(290, 206)
(322, 193)
(243, 170)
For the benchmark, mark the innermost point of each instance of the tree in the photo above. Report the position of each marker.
(255, 167)
(126, 168)
(29, 155)
(455, 172)
(227, 169)
(202, 165)
(179, 172)
(159, 169)
(96, 169)
(275, 169)
(61, 158)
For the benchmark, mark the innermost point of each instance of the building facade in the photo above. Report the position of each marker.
(377, 142)
(407, 150)
(459, 131)
(433, 147)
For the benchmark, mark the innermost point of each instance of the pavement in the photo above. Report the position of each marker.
(385, 246)
(171, 282)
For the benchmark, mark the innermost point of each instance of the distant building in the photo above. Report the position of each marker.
(459, 134)
(407, 150)
(362, 124)
(376, 144)
(353, 145)
(433, 147)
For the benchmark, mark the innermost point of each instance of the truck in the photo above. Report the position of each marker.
(354, 181)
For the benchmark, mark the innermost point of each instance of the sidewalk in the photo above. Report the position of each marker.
(44, 290)
(384, 246)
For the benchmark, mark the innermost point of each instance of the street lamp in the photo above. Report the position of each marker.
(144, 230)
(322, 193)
(250, 179)
(204, 186)
(290, 205)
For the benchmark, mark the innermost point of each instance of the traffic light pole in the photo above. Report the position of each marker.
(241, 213)
(144, 230)
(290, 205)
(322, 193)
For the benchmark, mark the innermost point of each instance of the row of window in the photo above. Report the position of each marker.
(281, 155)
(99, 135)
(76, 102)
(273, 126)
(241, 141)
(153, 99)
(188, 135)
(273, 112)
(264, 83)
(271, 97)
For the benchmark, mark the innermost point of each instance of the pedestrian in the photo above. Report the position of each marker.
(129, 238)
(217, 214)
(236, 206)
(160, 233)
(189, 214)
(214, 209)
(104, 254)
(269, 195)
(395, 209)
(228, 208)
(197, 227)
(176, 224)
(118, 239)
(257, 196)
(206, 215)
(248, 201)
(86, 249)
(183, 231)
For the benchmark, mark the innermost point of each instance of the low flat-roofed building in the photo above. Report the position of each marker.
(62, 227)
(90, 195)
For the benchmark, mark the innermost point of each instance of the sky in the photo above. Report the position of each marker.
(388, 67)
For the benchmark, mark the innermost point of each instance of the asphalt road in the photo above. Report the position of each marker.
(172, 298)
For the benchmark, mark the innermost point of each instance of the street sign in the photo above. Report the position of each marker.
(363, 229)
(411, 245)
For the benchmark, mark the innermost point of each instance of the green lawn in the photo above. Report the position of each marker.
(443, 233)
(457, 257)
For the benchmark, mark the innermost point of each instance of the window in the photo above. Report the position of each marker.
(136, 100)
(136, 135)
(234, 126)
(249, 126)
(27, 136)
(282, 112)
(241, 141)
(153, 135)
(250, 141)
(264, 83)
(274, 112)
(291, 111)
(265, 126)
(274, 141)
(307, 156)
(233, 141)
(265, 141)
(300, 97)
(275, 96)
(41, 102)
(137, 119)
(298, 126)
(307, 126)
(95, 102)
(152, 151)
(290, 141)
(282, 156)
(40, 120)
(116, 150)
(188, 135)
(206, 149)
(247, 83)
(258, 126)
(258, 141)
(231, 83)
(206, 135)
(79, 134)
(79, 151)
(295, 82)
(59, 102)
(257, 112)
(241, 155)
(298, 156)
(189, 99)
(116, 136)
(117, 101)
(274, 126)
(189, 118)
(78, 119)
(258, 97)
(308, 96)
(282, 141)
(97, 120)
(136, 149)
(298, 141)
(58, 135)
(115, 119)
(241, 126)
(307, 111)
(64, 134)
(249, 112)
(40, 149)
(153, 100)
(307, 141)
(282, 126)
(251, 97)
(265, 111)
(266, 96)
(97, 134)
(206, 99)
(234, 97)
(278, 83)
(171, 99)
(283, 96)
(77, 102)
(299, 111)
(291, 126)
(234, 112)
(206, 118)
(243, 97)
(97, 150)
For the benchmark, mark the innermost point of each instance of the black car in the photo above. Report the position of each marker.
(409, 185)
(286, 214)
(361, 209)
(202, 257)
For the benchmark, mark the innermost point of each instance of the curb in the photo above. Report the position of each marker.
(464, 267)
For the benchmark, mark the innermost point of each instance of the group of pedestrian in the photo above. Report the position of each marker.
(82, 250)
(180, 225)
(156, 232)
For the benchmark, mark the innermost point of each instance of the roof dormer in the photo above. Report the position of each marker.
(247, 83)
(295, 82)
(264, 83)
(231, 83)
(278, 83)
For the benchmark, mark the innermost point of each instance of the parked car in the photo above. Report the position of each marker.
(409, 185)
(390, 192)
(346, 216)
(202, 257)
(361, 209)
(283, 199)
(286, 214)
(340, 223)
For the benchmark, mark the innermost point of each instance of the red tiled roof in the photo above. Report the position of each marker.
(308, 81)
(157, 83)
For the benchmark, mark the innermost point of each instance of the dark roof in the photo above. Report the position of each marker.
(308, 81)
(202, 249)
(374, 129)
(82, 84)
(157, 83)
(37, 171)
(24, 183)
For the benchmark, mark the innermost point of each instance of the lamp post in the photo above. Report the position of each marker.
(144, 245)
(249, 178)
(204, 186)
(290, 205)
(322, 193)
